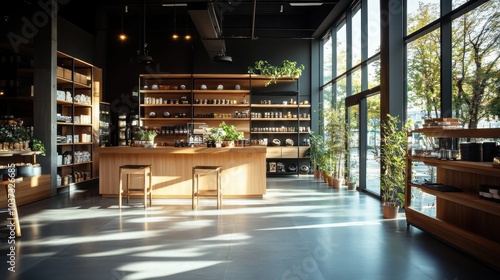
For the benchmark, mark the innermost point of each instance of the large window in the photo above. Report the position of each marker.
(476, 66)
(354, 69)
(466, 86)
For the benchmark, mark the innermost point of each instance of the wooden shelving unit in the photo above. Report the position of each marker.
(462, 219)
(80, 103)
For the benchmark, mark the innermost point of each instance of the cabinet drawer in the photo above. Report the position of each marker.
(302, 151)
(289, 152)
(273, 152)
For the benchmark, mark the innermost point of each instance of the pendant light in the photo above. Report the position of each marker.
(122, 36)
(143, 57)
(222, 57)
(175, 36)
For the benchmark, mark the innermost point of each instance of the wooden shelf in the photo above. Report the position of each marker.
(459, 132)
(462, 219)
(165, 105)
(484, 168)
(468, 199)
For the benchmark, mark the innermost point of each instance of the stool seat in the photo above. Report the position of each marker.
(143, 170)
(205, 170)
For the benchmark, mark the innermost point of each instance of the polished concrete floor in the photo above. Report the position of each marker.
(300, 230)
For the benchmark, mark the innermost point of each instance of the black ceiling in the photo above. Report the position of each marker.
(272, 19)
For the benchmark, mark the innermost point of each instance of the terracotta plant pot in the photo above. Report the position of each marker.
(325, 176)
(389, 211)
(316, 174)
(336, 183)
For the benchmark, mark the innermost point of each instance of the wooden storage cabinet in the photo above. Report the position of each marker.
(77, 120)
(462, 219)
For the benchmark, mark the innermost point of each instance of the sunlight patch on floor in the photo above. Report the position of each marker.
(157, 269)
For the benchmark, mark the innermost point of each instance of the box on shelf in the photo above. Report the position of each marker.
(76, 138)
(67, 73)
(84, 79)
(86, 138)
(85, 119)
(76, 119)
(60, 71)
(77, 77)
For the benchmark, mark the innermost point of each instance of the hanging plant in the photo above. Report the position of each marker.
(286, 69)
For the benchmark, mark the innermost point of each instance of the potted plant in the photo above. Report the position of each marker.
(147, 136)
(336, 143)
(230, 134)
(392, 158)
(37, 147)
(213, 137)
(315, 152)
(352, 183)
(286, 69)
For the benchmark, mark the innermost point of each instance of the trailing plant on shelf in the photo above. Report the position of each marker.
(286, 69)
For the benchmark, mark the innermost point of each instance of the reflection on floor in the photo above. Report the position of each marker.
(300, 230)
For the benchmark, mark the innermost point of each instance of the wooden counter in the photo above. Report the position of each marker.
(243, 169)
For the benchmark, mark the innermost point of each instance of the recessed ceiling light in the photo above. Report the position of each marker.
(175, 5)
(305, 4)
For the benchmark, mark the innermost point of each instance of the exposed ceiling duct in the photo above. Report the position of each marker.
(204, 17)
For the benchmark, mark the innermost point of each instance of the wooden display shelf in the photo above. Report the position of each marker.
(167, 91)
(468, 199)
(459, 132)
(222, 105)
(484, 168)
(165, 105)
(480, 247)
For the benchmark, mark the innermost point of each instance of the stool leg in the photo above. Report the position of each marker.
(128, 187)
(192, 189)
(120, 191)
(219, 191)
(150, 187)
(145, 190)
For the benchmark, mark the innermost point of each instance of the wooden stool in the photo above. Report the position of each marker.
(199, 171)
(146, 190)
(11, 203)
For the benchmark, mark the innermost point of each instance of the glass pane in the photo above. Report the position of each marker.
(356, 82)
(372, 139)
(356, 38)
(341, 91)
(341, 49)
(458, 3)
(327, 96)
(424, 77)
(476, 66)
(373, 27)
(374, 74)
(421, 13)
(423, 202)
(353, 144)
(327, 60)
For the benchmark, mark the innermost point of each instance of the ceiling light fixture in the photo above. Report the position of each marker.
(175, 36)
(122, 36)
(187, 36)
(222, 57)
(305, 4)
(143, 57)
